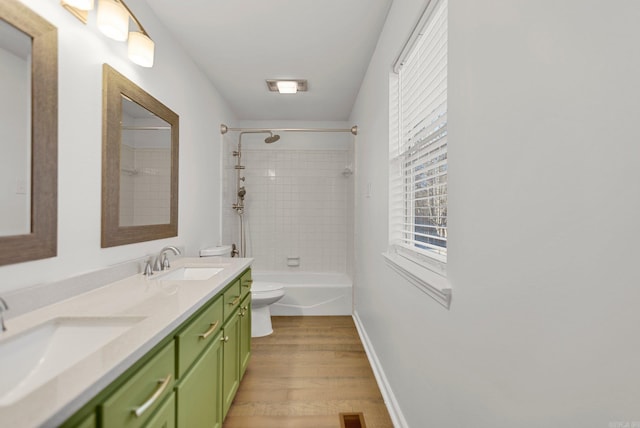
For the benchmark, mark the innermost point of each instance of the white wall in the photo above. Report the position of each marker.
(544, 208)
(177, 83)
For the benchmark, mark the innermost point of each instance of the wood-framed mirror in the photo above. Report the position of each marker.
(139, 164)
(28, 135)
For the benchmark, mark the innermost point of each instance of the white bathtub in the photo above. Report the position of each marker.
(310, 293)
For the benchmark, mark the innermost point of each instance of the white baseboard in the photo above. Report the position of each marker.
(387, 393)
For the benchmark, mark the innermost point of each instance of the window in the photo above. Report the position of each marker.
(418, 155)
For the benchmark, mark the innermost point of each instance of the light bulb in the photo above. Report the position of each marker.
(287, 87)
(141, 49)
(113, 19)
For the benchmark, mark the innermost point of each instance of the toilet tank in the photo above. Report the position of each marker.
(219, 251)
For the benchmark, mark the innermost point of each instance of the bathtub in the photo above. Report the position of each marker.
(310, 293)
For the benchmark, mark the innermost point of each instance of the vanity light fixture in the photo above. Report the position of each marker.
(141, 49)
(287, 86)
(80, 4)
(113, 21)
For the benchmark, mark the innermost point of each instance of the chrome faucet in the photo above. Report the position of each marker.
(3, 307)
(162, 262)
(148, 271)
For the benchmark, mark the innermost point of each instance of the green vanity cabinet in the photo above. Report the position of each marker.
(245, 321)
(231, 298)
(236, 346)
(198, 335)
(199, 392)
(199, 388)
(245, 334)
(165, 417)
(245, 284)
(189, 379)
(231, 361)
(89, 422)
(132, 403)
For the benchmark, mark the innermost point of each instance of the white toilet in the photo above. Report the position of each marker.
(263, 294)
(219, 251)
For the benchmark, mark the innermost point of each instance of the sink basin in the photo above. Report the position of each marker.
(199, 273)
(31, 358)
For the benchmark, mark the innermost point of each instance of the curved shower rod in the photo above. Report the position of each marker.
(224, 129)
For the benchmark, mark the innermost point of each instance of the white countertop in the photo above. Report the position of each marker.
(162, 305)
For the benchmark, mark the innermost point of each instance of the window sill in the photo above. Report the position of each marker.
(426, 280)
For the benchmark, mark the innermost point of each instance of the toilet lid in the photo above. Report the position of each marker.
(259, 286)
(222, 250)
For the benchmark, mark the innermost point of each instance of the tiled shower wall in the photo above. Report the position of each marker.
(297, 203)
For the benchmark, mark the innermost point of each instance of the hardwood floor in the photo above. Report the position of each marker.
(303, 375)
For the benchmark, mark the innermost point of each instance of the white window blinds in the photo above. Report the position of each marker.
(418, 140)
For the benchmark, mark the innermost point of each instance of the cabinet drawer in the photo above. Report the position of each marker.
(89, 422)
(165, 417)
(245, 284)
(198, 335)
(231, 299)
(132, 404)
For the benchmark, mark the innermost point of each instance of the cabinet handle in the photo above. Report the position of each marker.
(235, 301)
(248, 283)
(211, 330)
(243, 310)
(224, 339)
(162, 385)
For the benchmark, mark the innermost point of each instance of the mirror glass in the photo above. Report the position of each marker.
(15, 131)
(28, 135)
(145, 167)
(139, 164)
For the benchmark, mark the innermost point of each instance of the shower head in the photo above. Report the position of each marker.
(272, 138)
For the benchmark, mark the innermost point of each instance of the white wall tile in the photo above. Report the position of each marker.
(296, 206)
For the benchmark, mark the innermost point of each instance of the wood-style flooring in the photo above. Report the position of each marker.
(304, 375)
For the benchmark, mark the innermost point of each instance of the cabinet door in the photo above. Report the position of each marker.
(165, 417)
(199, 391)
(245, 334)
(231, 362)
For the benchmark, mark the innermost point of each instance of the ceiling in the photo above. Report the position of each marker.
(241, 43)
